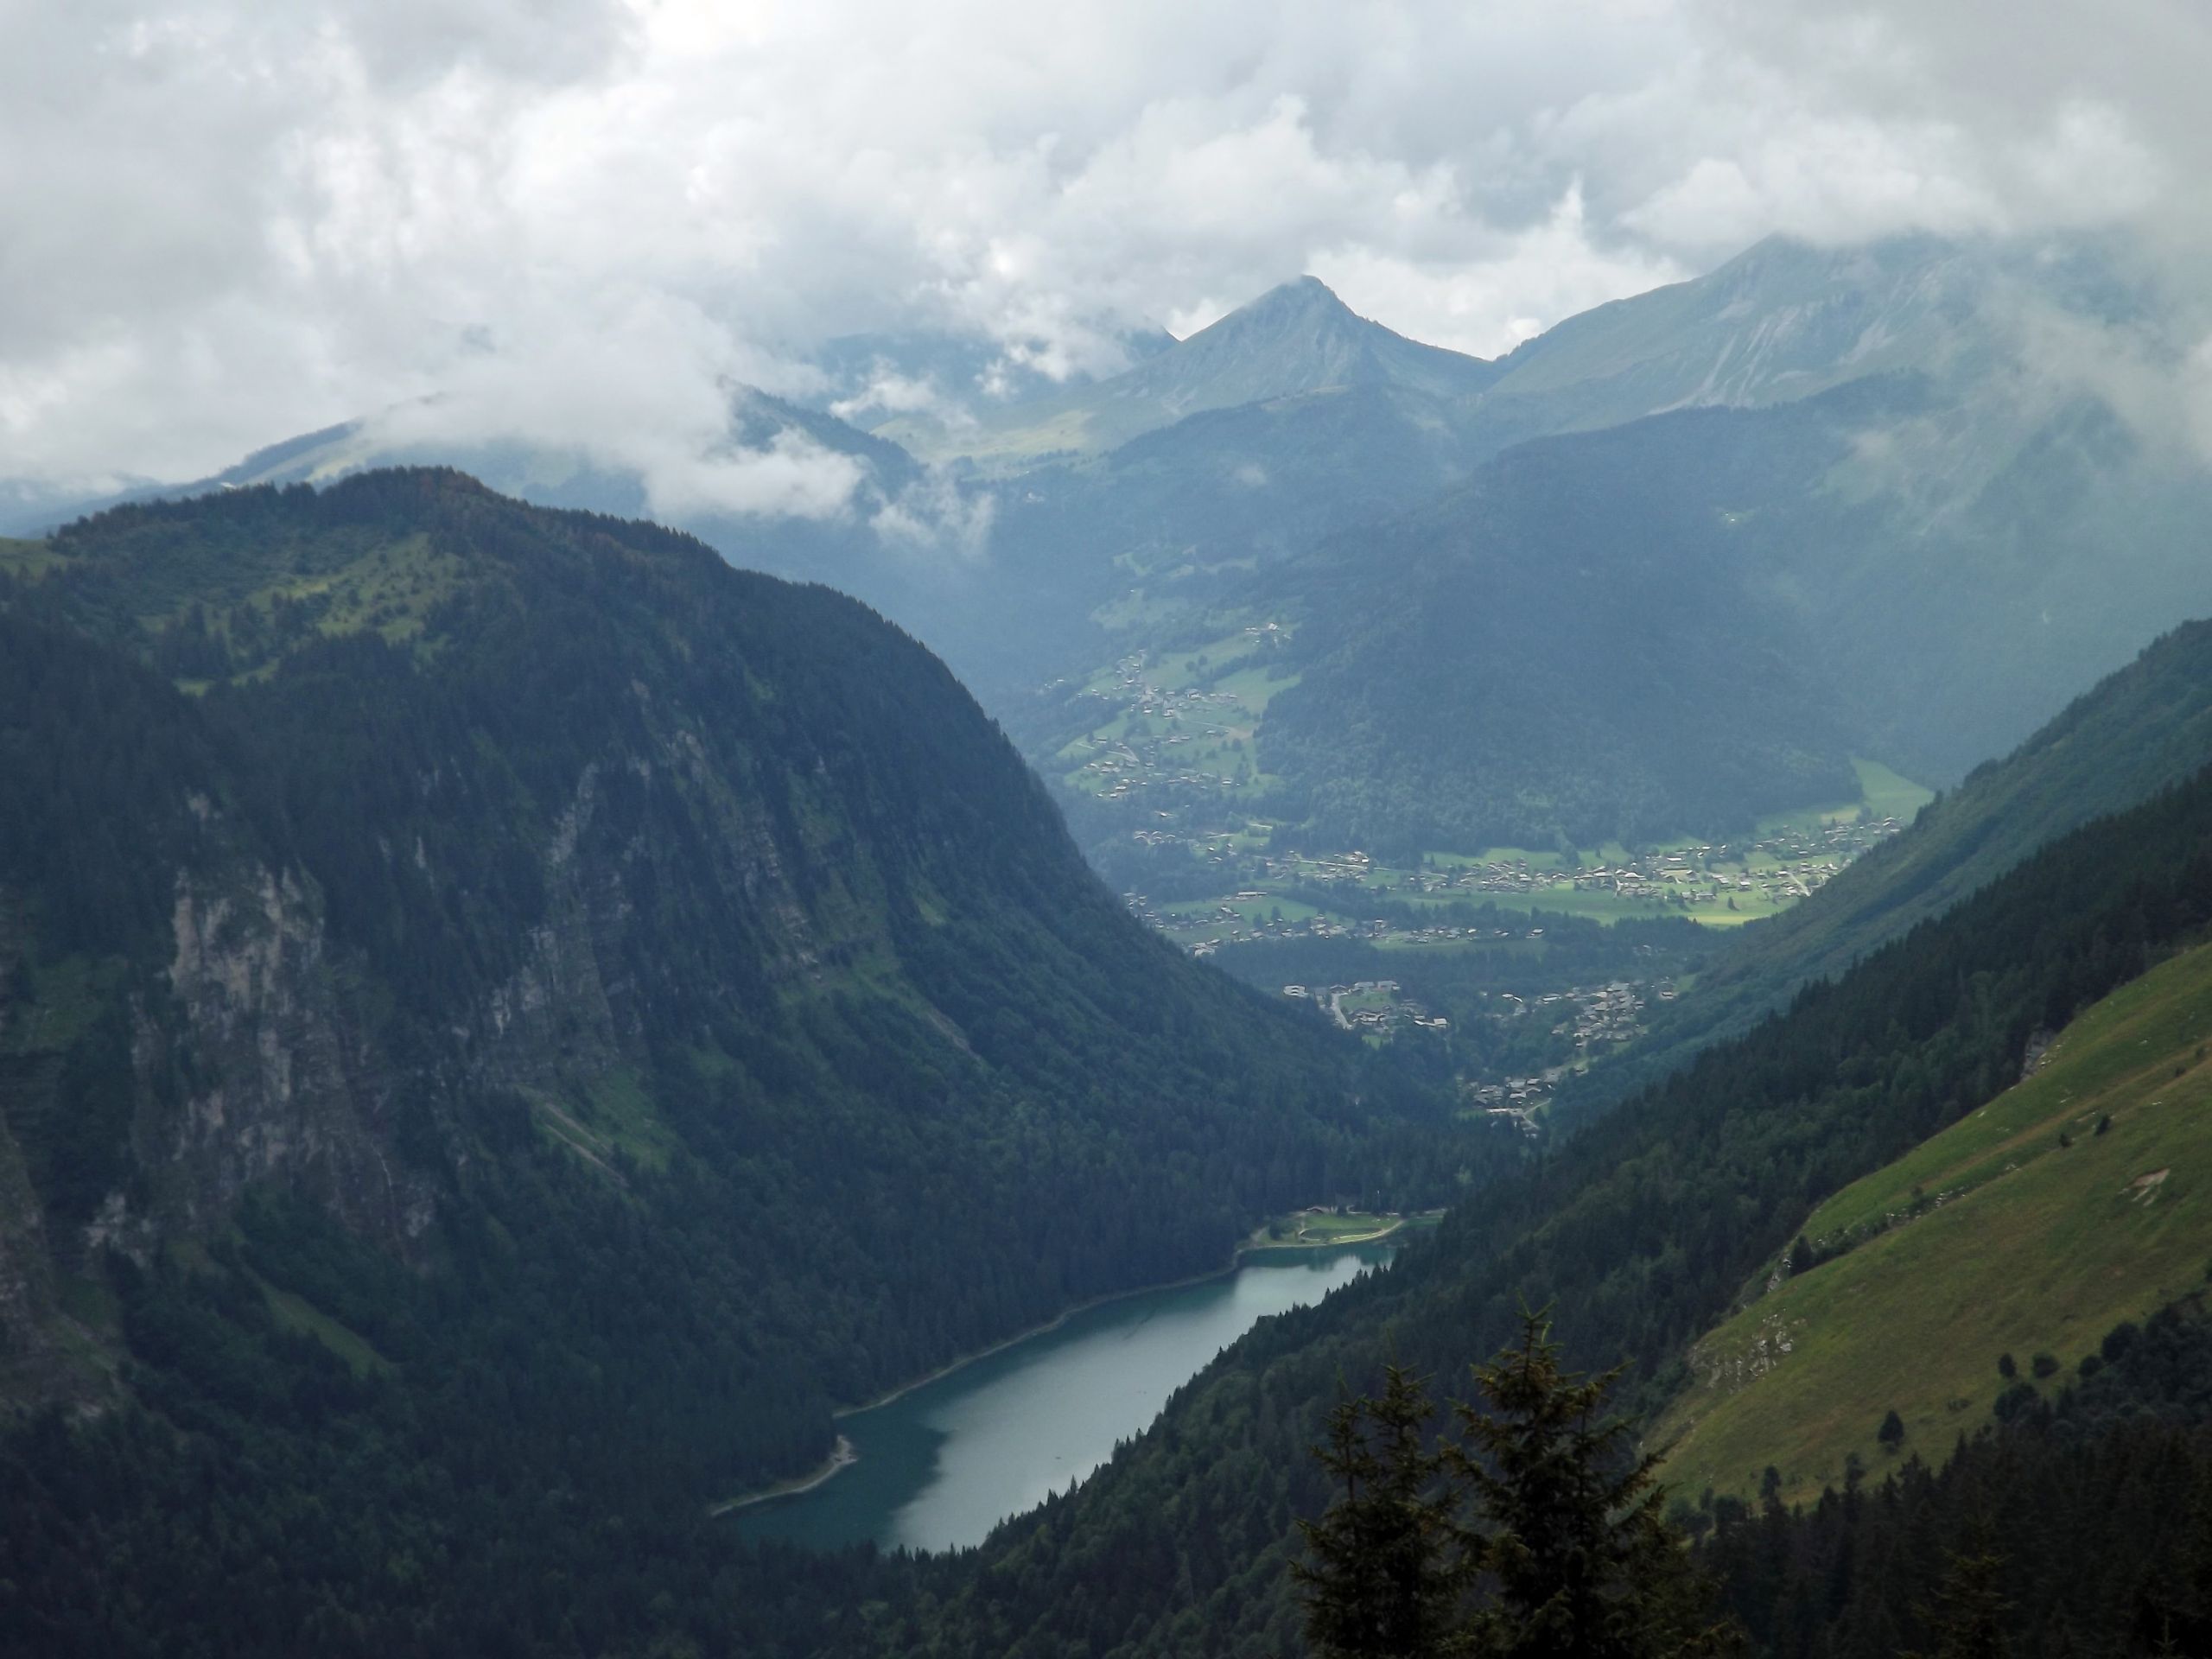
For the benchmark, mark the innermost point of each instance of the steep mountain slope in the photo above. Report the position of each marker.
(1580, 645)
(2143, 729)
(1293, 339)
(2073, 1202)
(1640, 1234)
(1786, 320)
(2068, 1512)
(671, 965)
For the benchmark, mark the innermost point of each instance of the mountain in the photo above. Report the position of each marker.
(757, 421)
(1904, 479)
(477, 980)
(2064, 1208)
(1787, 319)
(1928, 561)
(1601, 638)
(1991, 526)
(2142, 730)
(1641, 1234)
(1576, 648)
(1296, 337)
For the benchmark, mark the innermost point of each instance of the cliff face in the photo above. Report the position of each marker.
(30, 1366)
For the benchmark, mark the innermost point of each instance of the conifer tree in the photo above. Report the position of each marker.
(1539, 1533)
(1380, 1582)
(1574, 1551)
(1968, 1622)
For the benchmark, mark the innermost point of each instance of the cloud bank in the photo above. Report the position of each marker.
(582, 221)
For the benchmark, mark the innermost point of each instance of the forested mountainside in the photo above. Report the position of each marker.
(1585, 644)
(1854, 461)
(2081, 1526)
(1639, 1233)
(497, 1008)
(2142, 729)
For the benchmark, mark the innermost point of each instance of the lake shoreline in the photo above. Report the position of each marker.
(842, 1456)
(846, 1454)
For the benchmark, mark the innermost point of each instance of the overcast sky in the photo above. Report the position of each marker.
(223, 224)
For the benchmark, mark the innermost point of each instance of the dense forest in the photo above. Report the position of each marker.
(2082, 1525)
(1573, 649)
(539, 1017)
(828, 1021)
(1639, 1232)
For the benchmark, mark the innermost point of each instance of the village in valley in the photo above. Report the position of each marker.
(1178, 732)
(1296, 894)
(1585, 1022)
(1592, 1017)
(1168, 761)
(1170, 750)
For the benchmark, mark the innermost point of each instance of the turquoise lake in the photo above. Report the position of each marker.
(943, 1465)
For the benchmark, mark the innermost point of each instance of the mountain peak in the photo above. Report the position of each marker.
(1301, 296)
(1297, 338)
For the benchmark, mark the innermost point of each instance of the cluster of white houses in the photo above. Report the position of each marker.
(1589, 1016)
(1385, 1011)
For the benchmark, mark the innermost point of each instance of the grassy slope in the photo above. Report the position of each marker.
(2022, 1247)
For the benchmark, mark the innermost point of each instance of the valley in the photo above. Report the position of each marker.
(1175, 798)
(1662, 1222)
(1105, 831)
(514, 1031)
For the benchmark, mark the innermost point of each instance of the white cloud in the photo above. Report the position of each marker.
(888, 392)
(1553, 269)
(229, 220)
(933, 517)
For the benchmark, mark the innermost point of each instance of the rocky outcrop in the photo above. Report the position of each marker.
(284, 1083)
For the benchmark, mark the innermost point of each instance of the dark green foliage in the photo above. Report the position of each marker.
(1569, 1544)
(2082, 1527)
(1537, 1530)
(1642, 1230)
(2044, 1365)
(1968, 1620)
(875, 1071)
(1891, 1433)
(1381, 1578)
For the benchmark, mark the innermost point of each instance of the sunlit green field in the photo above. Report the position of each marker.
(1993, 1237)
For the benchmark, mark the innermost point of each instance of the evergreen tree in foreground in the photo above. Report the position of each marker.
(1969, 1623)
(1381, 1582)
(1537, 1535)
